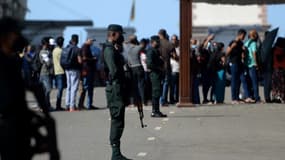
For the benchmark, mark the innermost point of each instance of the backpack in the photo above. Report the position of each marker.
(36, 64)
(67, 58)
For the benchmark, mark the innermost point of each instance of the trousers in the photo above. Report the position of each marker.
(115, 103)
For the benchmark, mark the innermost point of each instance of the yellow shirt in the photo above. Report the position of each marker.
(56, 53)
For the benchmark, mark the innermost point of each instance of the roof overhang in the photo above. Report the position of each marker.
(58, 23)
(242, 2)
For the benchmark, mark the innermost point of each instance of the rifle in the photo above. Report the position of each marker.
(140, 110)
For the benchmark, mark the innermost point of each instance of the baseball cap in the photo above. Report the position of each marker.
(51, 41)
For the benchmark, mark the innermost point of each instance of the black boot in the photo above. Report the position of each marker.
(155, 109)
(116, 153)
(158, 114)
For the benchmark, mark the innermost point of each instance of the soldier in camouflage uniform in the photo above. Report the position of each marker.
(155, 64)
(114, 63)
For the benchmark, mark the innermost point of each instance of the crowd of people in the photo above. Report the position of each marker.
(68, 67)
(212, 65)
(48, 64)
(134, 72)
(239, 62)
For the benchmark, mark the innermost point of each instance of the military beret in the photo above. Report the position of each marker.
(115, 28)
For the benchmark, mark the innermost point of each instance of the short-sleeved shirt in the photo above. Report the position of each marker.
(251, 48)
(56, 53)
(235, 54)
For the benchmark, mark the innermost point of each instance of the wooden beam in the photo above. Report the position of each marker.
(242, 2)
(185, 82)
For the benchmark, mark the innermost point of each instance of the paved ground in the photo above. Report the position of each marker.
(244, 132)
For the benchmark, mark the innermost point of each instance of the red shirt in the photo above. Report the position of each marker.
(279, 58)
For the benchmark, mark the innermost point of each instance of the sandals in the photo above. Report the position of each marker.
(249, 100)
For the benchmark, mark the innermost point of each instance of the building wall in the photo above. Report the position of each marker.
(100, 34)
(222, 15)
(225, 20)
(35, 36)
(13, 8)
